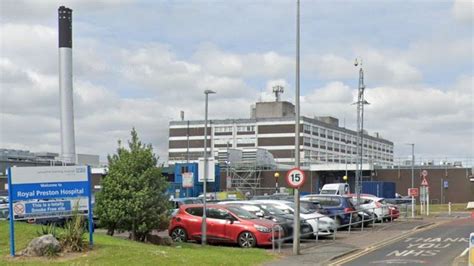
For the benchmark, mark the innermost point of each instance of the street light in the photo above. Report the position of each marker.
(204, 225)
(412, 178)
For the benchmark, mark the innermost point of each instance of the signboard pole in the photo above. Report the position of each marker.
(427, 201)
(11, 214)
(89, 203)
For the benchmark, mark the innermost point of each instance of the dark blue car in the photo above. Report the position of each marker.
(336, 206)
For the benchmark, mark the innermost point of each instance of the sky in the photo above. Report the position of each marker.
(139, 63)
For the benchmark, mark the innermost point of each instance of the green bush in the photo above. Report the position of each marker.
(50, 229)
(72, 238)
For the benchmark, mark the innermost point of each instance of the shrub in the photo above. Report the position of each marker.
(48, 230)
(73, 236)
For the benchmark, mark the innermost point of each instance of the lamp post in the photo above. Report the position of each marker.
(296, 221)
(412, 178)
(204, 225)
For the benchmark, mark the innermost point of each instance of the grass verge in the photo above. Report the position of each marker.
(114, 251)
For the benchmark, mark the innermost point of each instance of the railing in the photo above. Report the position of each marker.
(354, 222)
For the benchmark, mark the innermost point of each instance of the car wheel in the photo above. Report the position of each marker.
(247, 240)
(179, 235)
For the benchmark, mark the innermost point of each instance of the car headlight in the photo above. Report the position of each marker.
(304, 222)
(263, 229)
(323, 222)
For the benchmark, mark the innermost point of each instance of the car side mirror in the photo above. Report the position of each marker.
(231, 221)
(260, 214)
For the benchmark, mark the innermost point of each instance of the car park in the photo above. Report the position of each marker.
(271, 212)
(339, 207)
(229, 224)
(321, 224)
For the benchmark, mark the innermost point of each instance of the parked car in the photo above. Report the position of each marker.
(335, 189)
(225, 223)
(268, 211)
(337, 206)
(374, 204)
(394, 212)
(320, 223)
(181, 201)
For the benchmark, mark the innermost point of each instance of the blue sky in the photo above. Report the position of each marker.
(156, 57)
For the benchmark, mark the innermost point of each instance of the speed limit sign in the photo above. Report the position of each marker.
(295, 177)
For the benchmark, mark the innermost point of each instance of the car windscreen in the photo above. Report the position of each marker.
(241, 213)
(272, 209)
(329, 192)
(310, 206)
(302, 209)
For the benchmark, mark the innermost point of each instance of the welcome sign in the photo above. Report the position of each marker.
(40, 192)
(29, 183)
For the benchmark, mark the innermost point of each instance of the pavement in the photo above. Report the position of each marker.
(327, 250)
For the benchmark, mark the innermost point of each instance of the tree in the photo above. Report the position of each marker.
(133, 192)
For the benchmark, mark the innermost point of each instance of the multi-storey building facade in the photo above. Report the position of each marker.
(272, 127)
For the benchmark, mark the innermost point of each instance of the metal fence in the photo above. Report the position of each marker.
(356, 221)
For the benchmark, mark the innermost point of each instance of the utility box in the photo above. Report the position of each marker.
(380, 189)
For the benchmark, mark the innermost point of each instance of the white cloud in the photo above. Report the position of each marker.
(463, 10)
(267, 64)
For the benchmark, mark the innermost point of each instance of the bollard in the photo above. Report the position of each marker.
(449, 208)
(335, 230)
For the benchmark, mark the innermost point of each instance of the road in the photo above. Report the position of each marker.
(436, 246)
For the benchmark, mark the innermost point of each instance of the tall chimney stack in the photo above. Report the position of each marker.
(68, 145)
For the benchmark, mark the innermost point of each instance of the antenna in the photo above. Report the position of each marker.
(278, 89)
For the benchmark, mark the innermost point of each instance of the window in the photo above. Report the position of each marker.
(337, 135)
(306, 128)
(245, 128)
(322, 132)
(315, 131)
(330, 134)
(246, 141)
(196, 211)
(307, 141)
(218, 214)
(223, 129)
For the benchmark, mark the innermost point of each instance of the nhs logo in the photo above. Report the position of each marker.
(80, 170)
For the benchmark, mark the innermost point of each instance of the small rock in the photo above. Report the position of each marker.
(159, 240)
(41, 245)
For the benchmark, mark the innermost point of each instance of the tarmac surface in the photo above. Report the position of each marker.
(439, 245)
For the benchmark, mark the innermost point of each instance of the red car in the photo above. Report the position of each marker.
(394, 211)
(225, 223)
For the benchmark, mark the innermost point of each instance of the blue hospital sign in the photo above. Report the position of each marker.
(29, 183)
(48, 191)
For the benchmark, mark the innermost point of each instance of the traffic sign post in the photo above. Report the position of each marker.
(425, 194)
(413, 192)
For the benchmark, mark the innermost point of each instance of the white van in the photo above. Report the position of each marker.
(335, 189)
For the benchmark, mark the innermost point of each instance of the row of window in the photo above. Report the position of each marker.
(225, 129)
(331, 157)
(239, 141)
(342, 137)
(331, 146)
